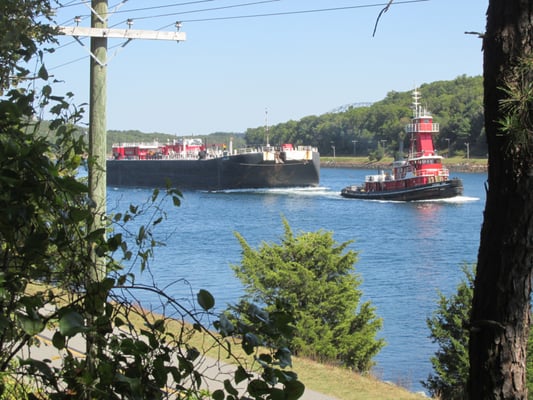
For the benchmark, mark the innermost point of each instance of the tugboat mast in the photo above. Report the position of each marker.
(266, 127)
(416, 114)
(416, 103)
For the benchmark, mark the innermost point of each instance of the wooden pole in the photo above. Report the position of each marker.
(97, 180)
(97, 122)
(99, 33)
(98, 119)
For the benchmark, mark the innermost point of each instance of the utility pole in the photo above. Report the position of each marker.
(97, 122)
(354, 147)
(99, 34)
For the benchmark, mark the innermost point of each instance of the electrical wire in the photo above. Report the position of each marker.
(273, 14)
(138, 9)
(201, 10)
(162, 6)
(298, 12)
(69, 4)
(81, 58)
(264, 15)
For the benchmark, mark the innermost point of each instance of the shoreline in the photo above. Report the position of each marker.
(474, 167)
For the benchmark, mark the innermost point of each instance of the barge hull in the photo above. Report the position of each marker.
(247, 171)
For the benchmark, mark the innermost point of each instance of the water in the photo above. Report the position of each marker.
(408, 252)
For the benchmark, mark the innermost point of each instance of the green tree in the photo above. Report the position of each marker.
(457, 106)
(449, 329)
(377, 154)
(46, 240)
(313, 277)
(22, 34)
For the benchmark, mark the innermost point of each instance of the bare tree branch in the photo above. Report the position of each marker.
(384, 10)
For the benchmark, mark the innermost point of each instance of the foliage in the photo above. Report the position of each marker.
(377, 154)
(22, 33)
(149, 359)
(456, 105)
(516, 107)
(449, 327)
(311, 277)
(47, 289)
(377, 129)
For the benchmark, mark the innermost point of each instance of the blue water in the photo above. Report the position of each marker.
(408, 252)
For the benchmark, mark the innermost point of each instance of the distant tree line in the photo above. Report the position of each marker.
(456, 105)
(135, 136)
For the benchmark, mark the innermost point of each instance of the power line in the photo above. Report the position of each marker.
(281, 13)
(299, 11)
(80, 58)
(162, 6)
(264, 15)
(202, 10)
(141, 8)
(81, 17)
(69, 4)
(79, 3)
(178, 13)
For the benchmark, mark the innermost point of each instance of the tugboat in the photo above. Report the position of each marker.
(419, 177)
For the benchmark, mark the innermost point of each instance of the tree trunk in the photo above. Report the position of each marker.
(501, 304)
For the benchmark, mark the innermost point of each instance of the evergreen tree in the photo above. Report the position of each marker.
(313, 277)
(449, 329)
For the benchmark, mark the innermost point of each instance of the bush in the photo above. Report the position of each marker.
(313, 278)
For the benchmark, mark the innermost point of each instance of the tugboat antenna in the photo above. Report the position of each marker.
(266, 127)
(416, 103)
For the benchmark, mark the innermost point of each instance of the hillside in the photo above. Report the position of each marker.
(456, 105)
(364, 129)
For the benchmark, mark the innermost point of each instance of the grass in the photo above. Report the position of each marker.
(322, 378)
(346, 385)
(326, 379)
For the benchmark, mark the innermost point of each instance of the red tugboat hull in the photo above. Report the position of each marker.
(430, 191)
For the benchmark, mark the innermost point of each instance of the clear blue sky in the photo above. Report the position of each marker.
(294, 63)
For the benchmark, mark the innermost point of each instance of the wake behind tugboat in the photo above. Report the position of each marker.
(419, 177)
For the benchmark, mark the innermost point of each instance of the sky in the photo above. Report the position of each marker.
(247, 62)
